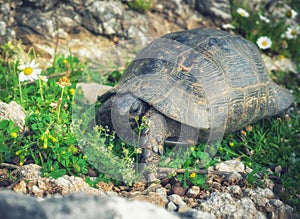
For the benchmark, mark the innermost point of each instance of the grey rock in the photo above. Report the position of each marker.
(31, 172)
(34, 184)
(44, 5)
(259, 196)
(233, 178)
(5, 9)
(230, 166)
(42, 23)
(103, 17)
(15, 206)
(176, 199)
(171, 206)
(194, 214)
(217, 9)
(193, 191)
(279, 64)
(14, 112)
(223, 205)
(2, 28)
(7, 21)
(265, 199)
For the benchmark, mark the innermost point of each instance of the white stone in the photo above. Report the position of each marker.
(171, 206)
(176, 199)
(194, 190)
(230, 166)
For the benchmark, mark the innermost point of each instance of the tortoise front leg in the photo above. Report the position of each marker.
(152, 143)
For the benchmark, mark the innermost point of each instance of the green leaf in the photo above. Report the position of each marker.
(15, 129)
(58, 173)
(4, 124)
(4, 148)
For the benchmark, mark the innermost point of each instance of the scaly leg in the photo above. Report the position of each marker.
(152, 143)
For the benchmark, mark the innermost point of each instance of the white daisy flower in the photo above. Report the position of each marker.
(29, 71)
(292, 14)
(43, 78)
(264, 42)
(265, 19)
(228, 26)
(292, 32)
(242, 12)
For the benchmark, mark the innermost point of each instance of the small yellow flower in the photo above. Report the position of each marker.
(281, 57)
(193, 175)
(18, 153)
(53, 139)
(231, 144)
(72, 91)
(84, 156)
(126, 152)
(65, 61)
(9, 44)
(21, 164)
(244, 133)
(13, 134)
(51, 168)
(45, 146)
(192, 148)
(110, 147)
(64, 81)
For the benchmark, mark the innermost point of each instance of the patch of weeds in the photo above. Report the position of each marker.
(46, 95)
(282, 30)
(141, 5)
(269, 145)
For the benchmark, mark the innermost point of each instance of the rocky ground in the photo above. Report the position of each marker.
(229, 196)
(87, 28)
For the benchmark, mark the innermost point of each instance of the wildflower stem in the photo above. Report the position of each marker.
(20, 89)
(59, 103)
(41, 89)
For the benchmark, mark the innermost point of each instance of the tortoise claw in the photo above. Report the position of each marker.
(161, 149)
(146, 153)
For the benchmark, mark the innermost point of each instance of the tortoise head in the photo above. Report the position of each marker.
(120, 109)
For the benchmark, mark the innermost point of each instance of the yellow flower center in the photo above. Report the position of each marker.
(289, 13)
(13, 135)
(264, 43)
(192, 175)
(28, 71)
(294, 32)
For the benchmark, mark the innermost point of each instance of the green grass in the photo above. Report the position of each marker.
(141, 6)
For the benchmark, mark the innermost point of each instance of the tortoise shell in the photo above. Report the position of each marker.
(204, 78)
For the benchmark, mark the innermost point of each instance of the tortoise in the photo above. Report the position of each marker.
(191, 86)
